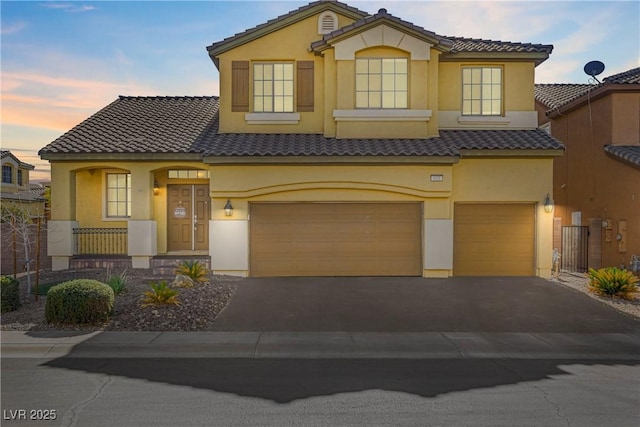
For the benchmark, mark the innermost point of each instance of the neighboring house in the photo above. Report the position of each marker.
(18, 192)
(597, 181)
(342, 143)
(16, 188)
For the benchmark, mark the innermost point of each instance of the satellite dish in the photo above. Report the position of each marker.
(594, 68)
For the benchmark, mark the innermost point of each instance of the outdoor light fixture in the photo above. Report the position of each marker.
(156, 187)
(228, 208)
(548, 204)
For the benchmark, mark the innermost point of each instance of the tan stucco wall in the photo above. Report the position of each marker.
(288, 44)
(511, 181)
(78, 193)
(518, 84)
(587, 180)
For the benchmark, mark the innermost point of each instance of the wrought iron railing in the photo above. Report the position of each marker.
(100, 241)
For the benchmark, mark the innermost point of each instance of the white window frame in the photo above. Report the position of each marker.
(273, 87)
(382, 83)
(111, 192)
(482, 91)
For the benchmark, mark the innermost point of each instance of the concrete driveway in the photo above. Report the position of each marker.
(414, 304)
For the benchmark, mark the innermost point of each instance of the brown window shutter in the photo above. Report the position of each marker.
(305, 85)
(240, 86)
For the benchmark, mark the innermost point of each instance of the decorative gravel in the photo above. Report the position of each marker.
(199, 306)
(579, 282)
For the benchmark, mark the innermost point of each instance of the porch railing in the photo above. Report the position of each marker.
(100, 241)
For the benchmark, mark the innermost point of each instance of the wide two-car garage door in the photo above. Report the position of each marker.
(335, 239)
(494, 239)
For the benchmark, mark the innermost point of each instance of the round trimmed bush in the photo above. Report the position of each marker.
(10, 298)
(79, 301)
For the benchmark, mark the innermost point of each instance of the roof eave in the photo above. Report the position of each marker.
(514, 152)
(537, 57)
(62, 157)
(327, 160)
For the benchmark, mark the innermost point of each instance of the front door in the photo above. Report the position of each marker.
(188, 217)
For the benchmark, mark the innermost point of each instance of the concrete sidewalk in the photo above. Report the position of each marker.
(339, 345)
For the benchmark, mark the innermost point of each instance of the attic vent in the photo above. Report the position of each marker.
(327, 22)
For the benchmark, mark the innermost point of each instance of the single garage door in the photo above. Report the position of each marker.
(335, 239)
(494, 239)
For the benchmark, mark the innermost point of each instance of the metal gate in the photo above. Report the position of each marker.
(575, 248)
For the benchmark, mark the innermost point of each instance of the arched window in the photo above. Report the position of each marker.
(327, 22)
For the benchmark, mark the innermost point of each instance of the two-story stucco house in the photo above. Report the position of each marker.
(342, 143)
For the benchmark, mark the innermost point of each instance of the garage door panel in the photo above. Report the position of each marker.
(494, 239)
(318, 239)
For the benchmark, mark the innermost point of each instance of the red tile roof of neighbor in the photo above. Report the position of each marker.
(173, 125)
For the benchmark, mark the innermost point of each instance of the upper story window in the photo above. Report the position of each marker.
(7, 174)
(482, 91)
(118, 195)
(273, 87)
(327, 22)
(381, 83)
(20, 177)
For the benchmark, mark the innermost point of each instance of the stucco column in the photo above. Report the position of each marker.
(142, 230)
(229, 239)
(60, 239)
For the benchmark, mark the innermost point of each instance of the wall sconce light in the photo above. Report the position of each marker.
(228, 208)
(156, 187)
(548, 204)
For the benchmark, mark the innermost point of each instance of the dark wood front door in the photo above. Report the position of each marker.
(188, 217)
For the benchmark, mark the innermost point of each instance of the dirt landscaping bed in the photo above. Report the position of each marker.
(199, 306)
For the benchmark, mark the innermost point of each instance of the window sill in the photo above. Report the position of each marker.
(483, 120)
(272, 118)
(382, 115)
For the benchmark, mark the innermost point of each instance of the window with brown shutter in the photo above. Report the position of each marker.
(240, 86)
(304, 86)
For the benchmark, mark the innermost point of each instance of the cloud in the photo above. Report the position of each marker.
(14, 28)
(68, 7)
(38, 100)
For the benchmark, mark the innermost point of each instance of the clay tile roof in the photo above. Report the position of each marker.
(627, 153)
(534, 139)
(317, 145)
(627, 77)
(555, 95)
(7, 153)
(461, 44)
(173, 125)
(143, 125)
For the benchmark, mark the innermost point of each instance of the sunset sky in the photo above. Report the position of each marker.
(63, 61)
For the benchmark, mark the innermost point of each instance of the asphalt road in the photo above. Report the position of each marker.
(320, 392)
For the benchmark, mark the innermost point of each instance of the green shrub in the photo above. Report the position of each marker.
(117, 283)
(79, 301)
(613, 282)
(195, 270)
(10, 294)
(160, 294)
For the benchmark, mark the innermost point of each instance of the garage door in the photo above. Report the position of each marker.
(494, 239)
(335, 239)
